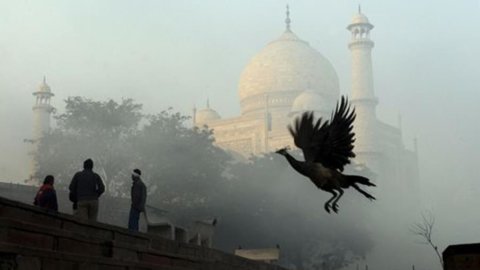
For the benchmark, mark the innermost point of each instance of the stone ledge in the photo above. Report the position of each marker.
(13, 231)
(75, 259)
(60, 241)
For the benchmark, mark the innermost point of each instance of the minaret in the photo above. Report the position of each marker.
(363, 95)
(41, 121)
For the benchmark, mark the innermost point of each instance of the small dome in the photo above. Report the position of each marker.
(310, 101)
(360, 18)
(44, 87)
(206, 115)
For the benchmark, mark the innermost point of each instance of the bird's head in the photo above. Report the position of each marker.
(283, 151)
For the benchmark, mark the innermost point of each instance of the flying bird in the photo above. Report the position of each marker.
(327, 147)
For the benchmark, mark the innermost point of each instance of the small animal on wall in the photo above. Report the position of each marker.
(327, 147)
(201, 232)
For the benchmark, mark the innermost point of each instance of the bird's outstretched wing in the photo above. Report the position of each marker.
(330, 143)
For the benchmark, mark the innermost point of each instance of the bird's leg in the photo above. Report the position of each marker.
(327, 204)
(335, 205)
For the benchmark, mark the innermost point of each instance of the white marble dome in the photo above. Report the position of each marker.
(206, 115)
(359, 18)
(282, 70)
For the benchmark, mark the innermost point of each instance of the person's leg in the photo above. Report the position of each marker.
(82, 210)
(93, 210)
(133, 220)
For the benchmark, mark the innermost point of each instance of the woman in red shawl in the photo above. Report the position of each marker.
(46, 195)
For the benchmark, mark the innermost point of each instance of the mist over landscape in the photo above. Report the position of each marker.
(178, 54)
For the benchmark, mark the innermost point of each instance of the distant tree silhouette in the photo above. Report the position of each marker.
(87, 128)
(424, 230)
(182, 165)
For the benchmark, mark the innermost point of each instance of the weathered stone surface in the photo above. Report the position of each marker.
(156, 259)
(87, 231)
(52, 264)
(28, 263)
(28, 239)
(34, 239)
(124, 254)
(85, 248)
(8, 261)
(30, 214)
(132, 239)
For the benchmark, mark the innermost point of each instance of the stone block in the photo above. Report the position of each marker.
(165, 245)
(88, 231)
(125, 254)
(8, 261)
(29, 239)
(38, 216)
(100, 266)
(51, 264)
(83, 248)
(155, 259)
(28, 263)
(133, 240)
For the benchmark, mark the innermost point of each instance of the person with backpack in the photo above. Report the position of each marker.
(85, 189)
(46, 196)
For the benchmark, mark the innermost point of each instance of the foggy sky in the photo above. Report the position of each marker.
(179, 53)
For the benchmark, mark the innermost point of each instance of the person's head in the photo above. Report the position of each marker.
(136, 174)
(88, 164)
(49, 179)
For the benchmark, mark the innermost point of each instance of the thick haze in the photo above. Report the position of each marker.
(179, 53)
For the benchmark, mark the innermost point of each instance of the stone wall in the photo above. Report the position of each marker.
(462, 257)
(36, 239)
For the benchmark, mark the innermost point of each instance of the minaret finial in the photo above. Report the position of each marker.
(287, 19)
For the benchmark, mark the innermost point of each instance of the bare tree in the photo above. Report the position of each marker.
(424, 230)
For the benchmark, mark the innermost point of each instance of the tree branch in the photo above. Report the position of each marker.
(424, 230)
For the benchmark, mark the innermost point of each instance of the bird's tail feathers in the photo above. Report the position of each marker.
(360, 179)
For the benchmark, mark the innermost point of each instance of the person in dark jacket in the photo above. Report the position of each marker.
(85, 189)
(139, 197)
(46, 196)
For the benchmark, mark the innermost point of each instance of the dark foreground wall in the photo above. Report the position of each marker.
(462, 257)
(35, 239)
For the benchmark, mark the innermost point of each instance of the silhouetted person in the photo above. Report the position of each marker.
(46, 196)
(85, 188)
(139, 197)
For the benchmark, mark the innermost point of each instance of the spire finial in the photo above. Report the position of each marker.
(287, 19)
(359, 9)
(208, 103)
(44, 79)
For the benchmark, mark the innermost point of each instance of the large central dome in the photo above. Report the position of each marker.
(285, 68)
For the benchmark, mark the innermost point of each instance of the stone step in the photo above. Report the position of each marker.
(39, 259)
(46, 238)
(58, 240)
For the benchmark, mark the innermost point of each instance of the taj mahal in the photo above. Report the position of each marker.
(283, 80)
(289, 77)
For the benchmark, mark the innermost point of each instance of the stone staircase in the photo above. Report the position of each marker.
(36, 239)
